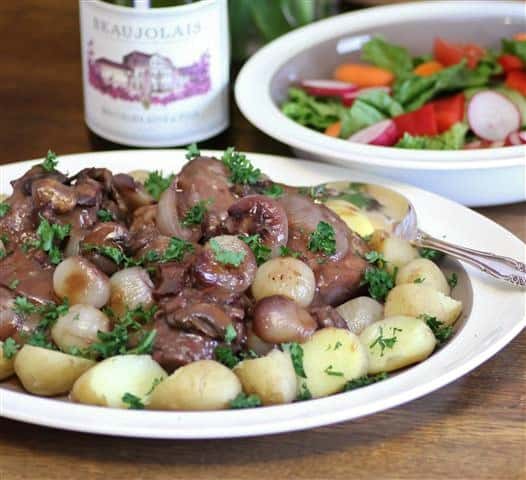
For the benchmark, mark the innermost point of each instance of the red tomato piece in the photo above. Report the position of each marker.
(517, 80)
(449, 111)
(420, 122)
(452, 53)
(510, 62)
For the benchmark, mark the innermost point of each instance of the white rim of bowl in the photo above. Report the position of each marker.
(253, 82)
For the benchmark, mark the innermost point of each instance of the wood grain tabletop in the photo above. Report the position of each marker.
(474, 428)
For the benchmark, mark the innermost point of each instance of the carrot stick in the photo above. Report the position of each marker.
(334, 129)
(428, 68)
(363, 75)
(520, 37)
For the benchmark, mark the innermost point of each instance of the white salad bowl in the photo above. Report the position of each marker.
(472, 177)
(493, 314)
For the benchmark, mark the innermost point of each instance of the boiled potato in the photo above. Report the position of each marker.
(360, 312)
(272, 378)
(423, 272)
(285, 276)
(396, 342)
(7, 367)
(201, 385)
(331, 358)
(414, 299)
(357, 221)
(397, 252)
(48, 372)
(139, 176)
(107, 382)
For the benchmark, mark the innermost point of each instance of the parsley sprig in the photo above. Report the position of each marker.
(452, 280)
(296, 354)
(156, 184)
(385, 342)
(241, 170)
(105, 215)
(48, 235)
(260, 250)
(323, 239)
(133, 402)
(9, 348)
(245, 401)
(441, 331)
(364, 381)
(288, 252)
(431, 254)
(192, 151)
(50, 162)
(225, 355)
(274, 191)
(196, 214)
(225, 256)
(4, 209)
(379, 280)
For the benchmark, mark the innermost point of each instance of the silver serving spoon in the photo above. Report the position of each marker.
(389, 210)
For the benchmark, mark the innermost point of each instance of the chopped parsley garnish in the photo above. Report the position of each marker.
(241, 170)
(323, 239)
(48, 235)
(419, 280)
(115, 342)
(133, 402)
(156, 184)
(274, 190)
(441, 331)
(296, 354)
(9, 348)
(155, 383)
(226, 356)
(378, 278)
(230, 334)
(245, 401)
(364, 381)
(3, 253)
(304, 393)
(356, 198)
(384, 342)
(4, 209)
(23, 306)
(13, 284)
(50, 163)
(337, 345)
(330, 371)
(260, 250)
(226, 257)
(287, 252)
(113, 253)
(176, 250)
(196, 214)
(452, 280)
(192, 151)
(430, 254)
(105, 215)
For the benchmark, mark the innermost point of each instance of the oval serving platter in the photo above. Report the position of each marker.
(494, 315)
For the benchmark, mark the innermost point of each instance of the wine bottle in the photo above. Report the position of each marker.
(155, 72)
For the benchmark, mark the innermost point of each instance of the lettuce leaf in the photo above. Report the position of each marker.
(394, 58)
(311, 112)
(413, 91)
(382, 101)
(452, 139)
(514, 47)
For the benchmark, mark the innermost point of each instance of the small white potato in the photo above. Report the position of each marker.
(130, 288)
(78, 280)
(7, 365)
(107, 382)
(397, 342)
(397, 252)
(272, 378)
(79, 327)
(48, 372)
(414, 299)
(360, 312)
(285, 276)
(356, 220)
(424, 272)
(331, 358)
(139, 176)
(201, 385)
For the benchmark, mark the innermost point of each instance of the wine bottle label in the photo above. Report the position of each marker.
(155, 77)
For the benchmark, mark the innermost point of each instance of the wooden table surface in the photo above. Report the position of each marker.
(472, 429)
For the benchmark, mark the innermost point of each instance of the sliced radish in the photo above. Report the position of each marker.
(349, 98)
(383, 133)
(522, 136)
(492, 116)
(475, 144)
(327, 88)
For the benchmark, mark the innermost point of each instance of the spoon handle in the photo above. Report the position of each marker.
(502, 268)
